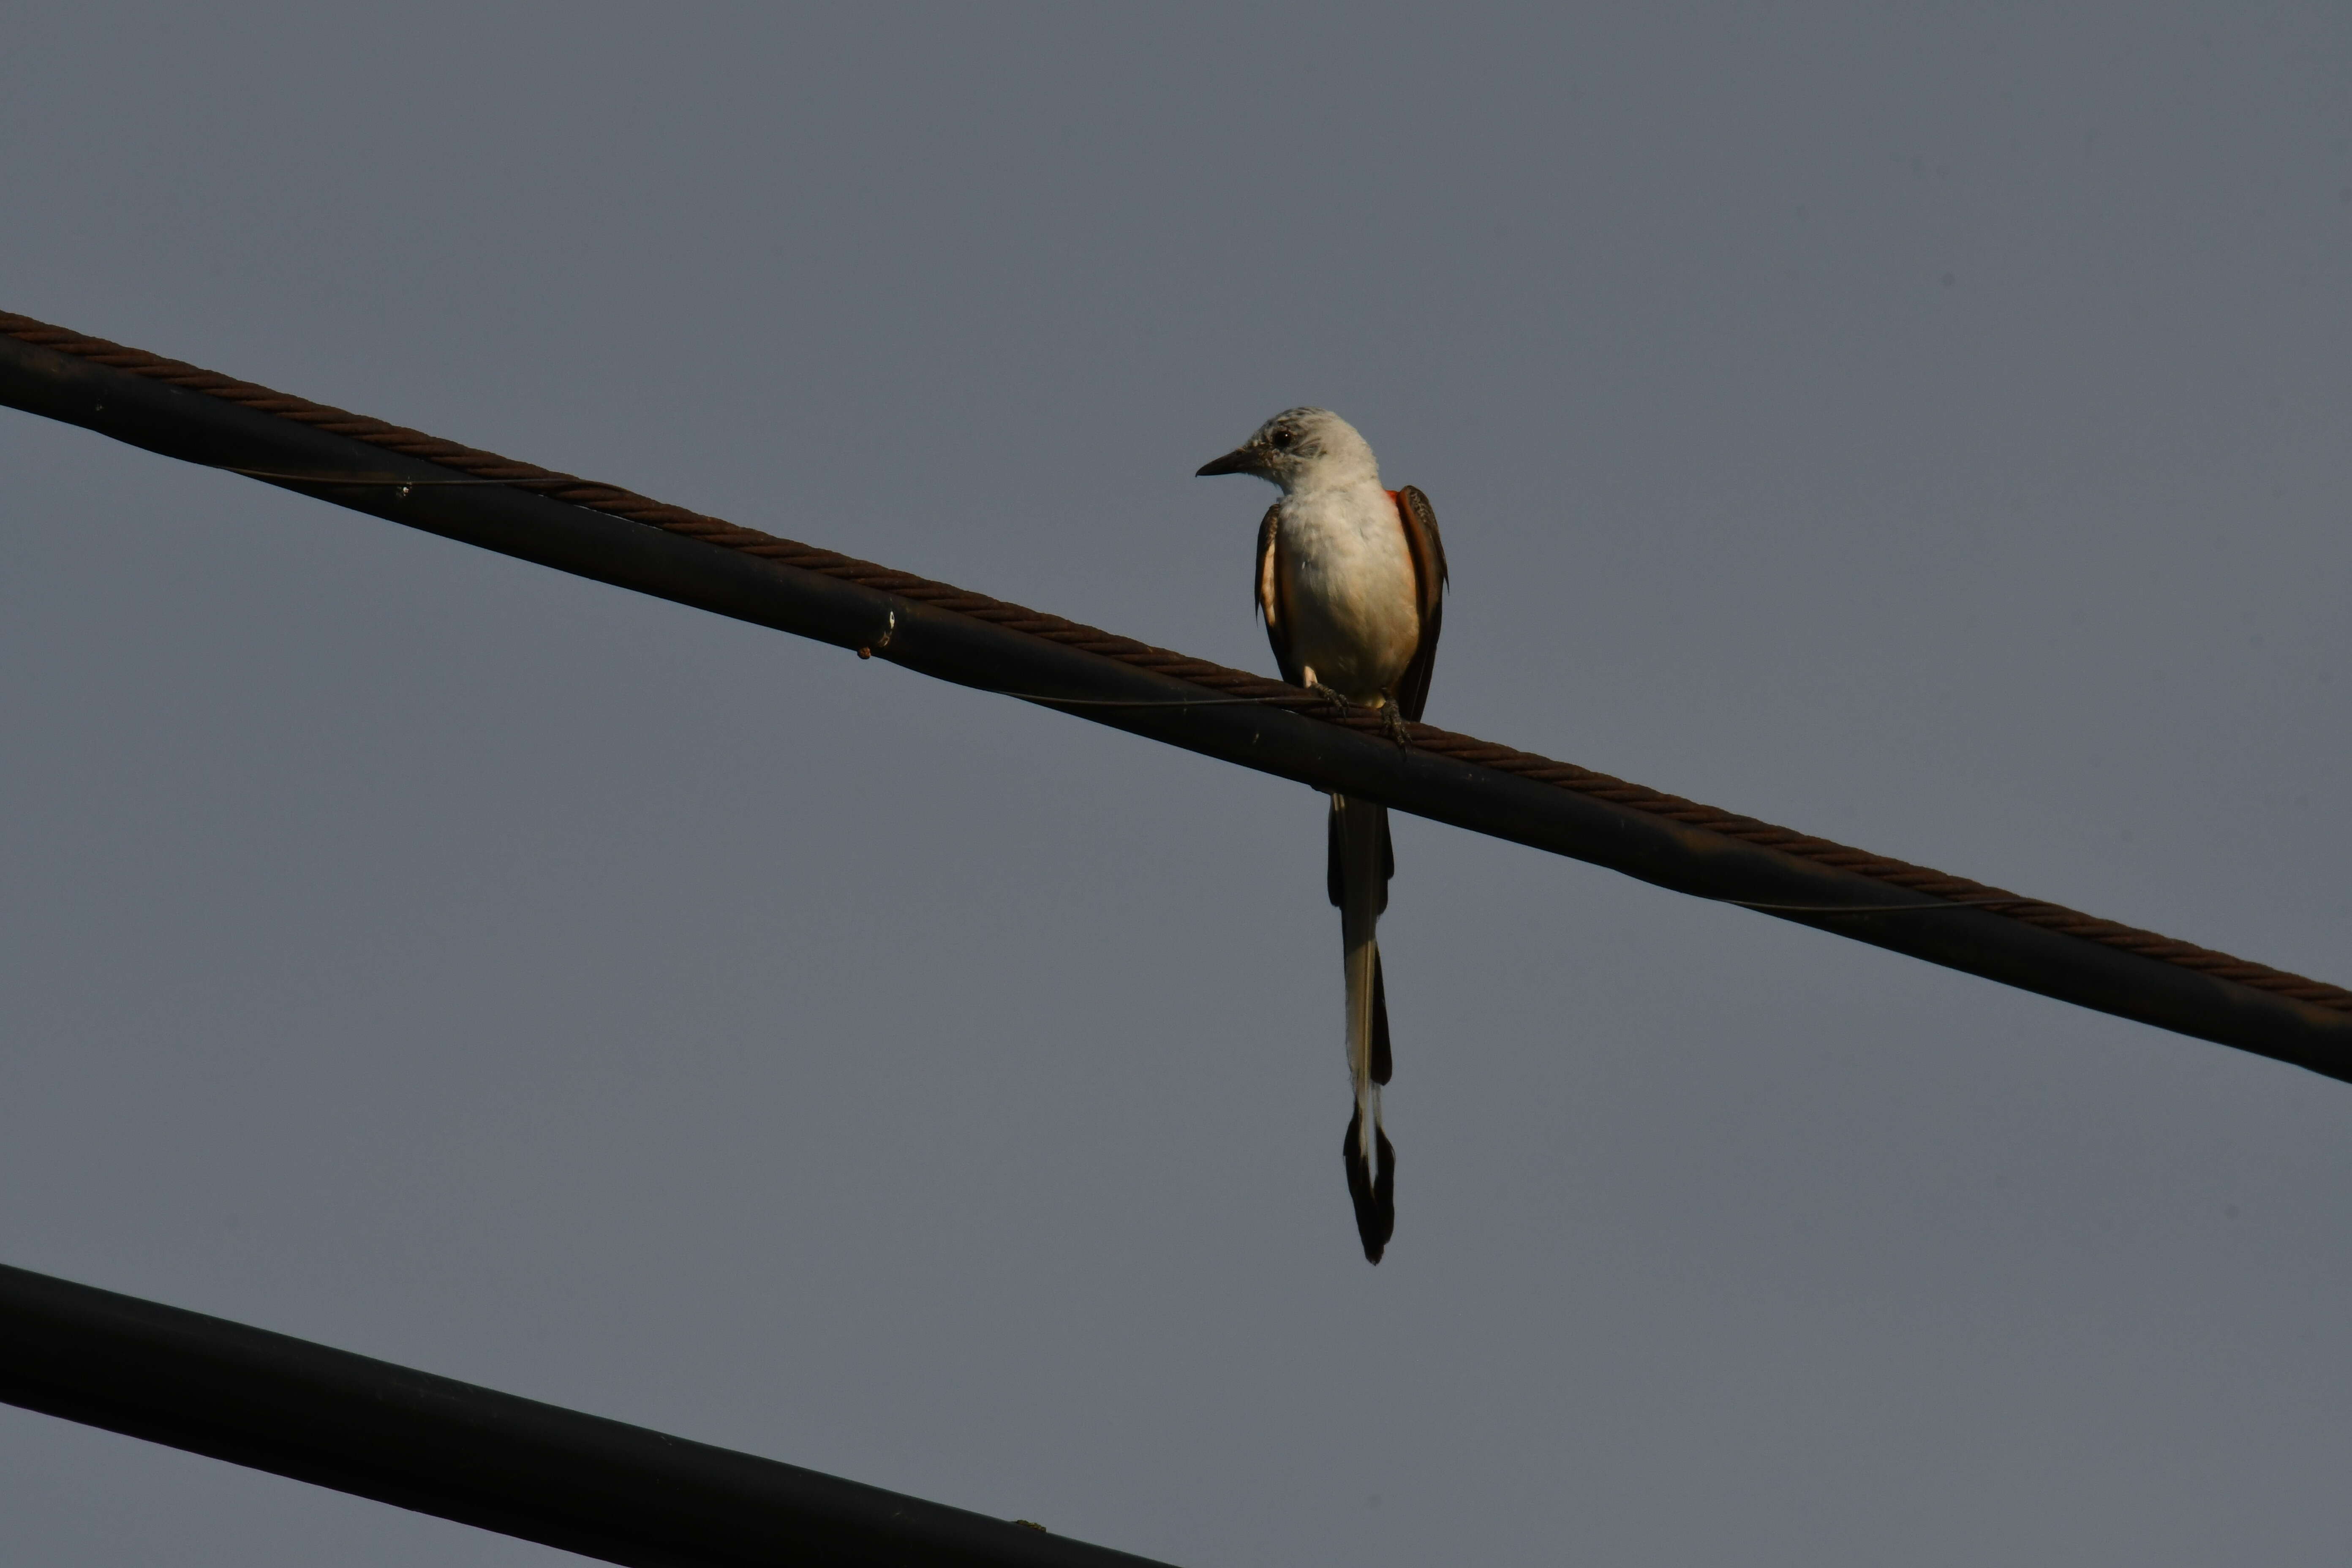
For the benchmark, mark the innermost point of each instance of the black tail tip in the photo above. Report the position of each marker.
(1374, 1193)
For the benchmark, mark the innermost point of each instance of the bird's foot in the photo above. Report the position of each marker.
(1340, 704)
(1392, 726)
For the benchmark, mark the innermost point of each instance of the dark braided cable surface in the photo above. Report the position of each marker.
(1216, 677)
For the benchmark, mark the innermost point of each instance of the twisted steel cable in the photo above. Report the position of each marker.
(1214, 680)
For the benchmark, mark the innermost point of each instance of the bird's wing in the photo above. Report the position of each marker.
(1270, 602)
(1428, 548)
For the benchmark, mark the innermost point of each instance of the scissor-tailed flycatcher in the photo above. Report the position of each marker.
(1352, 581)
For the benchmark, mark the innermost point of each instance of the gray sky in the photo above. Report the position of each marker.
(1928, 432)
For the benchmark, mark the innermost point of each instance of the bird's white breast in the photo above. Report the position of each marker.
(1348, 586)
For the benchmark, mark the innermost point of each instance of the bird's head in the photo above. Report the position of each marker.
(1300, 449)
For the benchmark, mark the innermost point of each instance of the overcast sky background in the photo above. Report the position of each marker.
(1928, 430)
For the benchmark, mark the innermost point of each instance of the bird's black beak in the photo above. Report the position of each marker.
(1239, 460)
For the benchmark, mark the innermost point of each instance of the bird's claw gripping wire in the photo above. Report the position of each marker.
(1392, 721)
(1340, 704)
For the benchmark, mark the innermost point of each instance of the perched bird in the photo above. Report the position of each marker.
(1352, 581)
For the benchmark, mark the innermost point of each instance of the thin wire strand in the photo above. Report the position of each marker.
(1960, 903)
(386, 481)
(1963, 902)
(617, 501)
(1145, 701)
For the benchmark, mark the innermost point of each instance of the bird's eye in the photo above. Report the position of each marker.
(1280, 438)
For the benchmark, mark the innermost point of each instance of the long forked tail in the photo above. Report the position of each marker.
(1361, 861)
